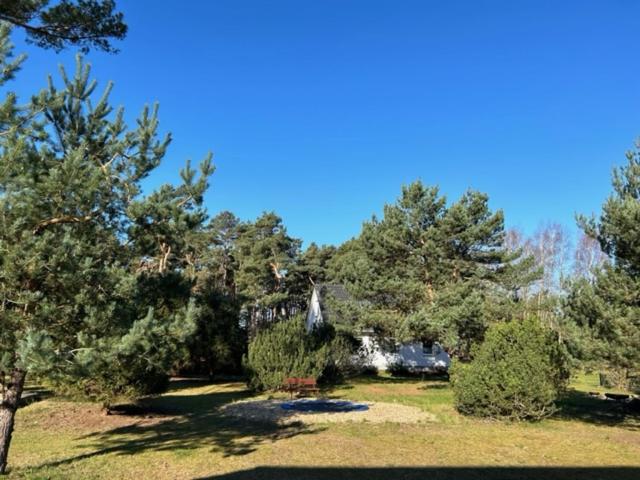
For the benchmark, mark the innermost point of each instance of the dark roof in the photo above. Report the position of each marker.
(334, 290)
(328, 292)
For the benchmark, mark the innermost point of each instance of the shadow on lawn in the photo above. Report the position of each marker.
(577, 405)
(433, 473)
(186, 422)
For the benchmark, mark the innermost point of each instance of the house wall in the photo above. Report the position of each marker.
(314, 315)
(410, 355)
(374, 355)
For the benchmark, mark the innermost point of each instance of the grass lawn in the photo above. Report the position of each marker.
(182, 434)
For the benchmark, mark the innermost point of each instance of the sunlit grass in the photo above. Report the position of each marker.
(590, 382)
(188, 437)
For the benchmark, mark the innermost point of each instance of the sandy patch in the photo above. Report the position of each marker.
(379, 412)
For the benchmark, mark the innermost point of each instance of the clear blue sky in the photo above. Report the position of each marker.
(321, 110)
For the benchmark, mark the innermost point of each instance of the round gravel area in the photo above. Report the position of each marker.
(378, 412)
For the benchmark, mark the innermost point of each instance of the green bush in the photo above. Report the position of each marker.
(622, 380)
(343, 360)
(284, 349)
(517, 373)
(398, 369)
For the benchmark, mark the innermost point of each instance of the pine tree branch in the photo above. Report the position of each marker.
(22, 122)
(56, 31)
(57, 220)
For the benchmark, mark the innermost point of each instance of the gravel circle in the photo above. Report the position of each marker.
(272, 411)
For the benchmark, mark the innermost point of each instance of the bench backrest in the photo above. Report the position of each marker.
(293, 381)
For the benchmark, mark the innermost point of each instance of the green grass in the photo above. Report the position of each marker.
(188, 437)
(590, 382)
(432, 395)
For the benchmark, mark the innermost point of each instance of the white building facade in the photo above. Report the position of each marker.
(414, 356)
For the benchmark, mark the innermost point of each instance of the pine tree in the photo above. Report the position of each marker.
(433, 271)
(314, 264)
(266, 256)
(284, 349)
(609, 304)
(219, 341)
(83, 23)
(85, 259)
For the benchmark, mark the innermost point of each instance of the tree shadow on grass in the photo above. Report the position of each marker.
(185, 422)
(433, 473)
(577, 405)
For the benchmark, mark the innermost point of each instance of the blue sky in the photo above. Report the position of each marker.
(321, 110)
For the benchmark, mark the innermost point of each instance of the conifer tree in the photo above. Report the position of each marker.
(314, 264)
(219, 341)
(608, 304)
(83, 23)
(85, 258)
(266, 256)
(434, 271)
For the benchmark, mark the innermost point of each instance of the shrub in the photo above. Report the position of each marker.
(620, 379)
(398, 369)
(517, 373)
(369, 371)
(344, 359)
(284, 349)
(108, 389)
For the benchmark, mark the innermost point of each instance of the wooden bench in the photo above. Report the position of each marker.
(300, 386)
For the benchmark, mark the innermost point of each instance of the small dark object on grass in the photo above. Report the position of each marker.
(618, 397)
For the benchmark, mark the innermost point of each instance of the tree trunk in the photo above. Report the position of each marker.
(8, 406)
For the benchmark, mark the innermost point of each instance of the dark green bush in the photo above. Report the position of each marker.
(118, 386)
(343, 359)
(397, 369)
(517, 373)
(284, 349)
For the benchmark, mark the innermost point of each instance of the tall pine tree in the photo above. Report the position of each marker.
(432, 271)
(266, 256)
(83, 252)
(608, 304)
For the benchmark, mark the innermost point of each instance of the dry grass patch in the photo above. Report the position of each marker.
(81, 416)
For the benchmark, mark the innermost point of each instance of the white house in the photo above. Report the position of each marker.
(413, 356)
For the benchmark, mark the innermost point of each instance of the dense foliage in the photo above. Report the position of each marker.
(219, 342)
(433, 271)
(94, 287)
(83, 23)
(284, 349)
(516, 374)
(607, 305)
(91, 270)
